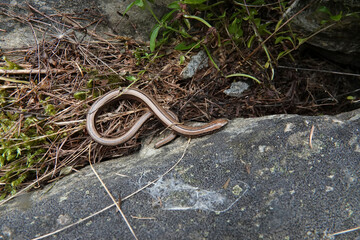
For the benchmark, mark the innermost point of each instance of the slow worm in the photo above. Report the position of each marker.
(168, 118)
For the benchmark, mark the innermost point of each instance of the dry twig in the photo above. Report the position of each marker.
(115, 203)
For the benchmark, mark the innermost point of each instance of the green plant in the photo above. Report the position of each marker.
(292, 41)
(331, 17)
(81, 95)
(141, 56)
(176, 21)
(10, 65)
(20, 149)
(240, 24)
(218, 20)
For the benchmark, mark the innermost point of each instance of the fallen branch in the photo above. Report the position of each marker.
(30, 71)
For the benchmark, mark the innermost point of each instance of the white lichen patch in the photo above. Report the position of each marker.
(354, 141)
(63, 219)
(174, 194)
(357, 148)
(331, 176)
(337, 121)
(237, 190)
(264, 148)
(288, 127)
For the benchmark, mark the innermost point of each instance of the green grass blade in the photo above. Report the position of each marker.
(153, 37)
(244, 75)
(199, 19)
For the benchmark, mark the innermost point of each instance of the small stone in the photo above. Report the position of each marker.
(197, 62)
(236, 89)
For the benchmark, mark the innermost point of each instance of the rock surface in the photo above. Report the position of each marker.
(236, 89)
(197, 62)
(341, 41)
(256, 179)
(17, 34)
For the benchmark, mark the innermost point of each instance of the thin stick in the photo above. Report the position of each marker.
(31, 71)
(37, 48)
(73, 224)
(345, 231)
(311, 135)
(114, 204)
(37, 181)
(13, 80)
(111, 196)
(57, 155)
(320, 70)
(276, 30)
(24, 189)
(253, 25)
(144, 218)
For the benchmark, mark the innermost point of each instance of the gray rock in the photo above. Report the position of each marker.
(257, 178)
(341, 42)
(197, 62)
(236, 89)
(137, 25)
